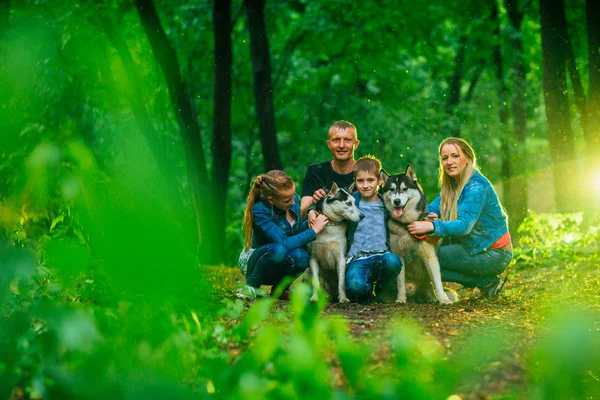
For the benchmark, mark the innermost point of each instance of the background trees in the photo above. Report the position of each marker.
(222, 91)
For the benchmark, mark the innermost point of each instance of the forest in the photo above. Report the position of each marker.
(131, 132)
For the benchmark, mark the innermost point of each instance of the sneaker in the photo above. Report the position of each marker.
(493, 289)
(248, 292)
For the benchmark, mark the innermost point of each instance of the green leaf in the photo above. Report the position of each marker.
(56, 220)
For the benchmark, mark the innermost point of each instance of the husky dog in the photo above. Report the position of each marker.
(328, 251)
(404, 199)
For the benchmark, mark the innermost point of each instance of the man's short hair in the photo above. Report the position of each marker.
(368, 163)
(344, 125)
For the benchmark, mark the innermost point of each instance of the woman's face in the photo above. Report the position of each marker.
(284, 199)
(454, 161)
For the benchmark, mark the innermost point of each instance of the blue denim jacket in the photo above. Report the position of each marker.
(481, 220)
(353, 225)
(271, 226)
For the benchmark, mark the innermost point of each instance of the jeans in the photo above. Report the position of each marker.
(479, 270)
(270, 263)
(380, 268)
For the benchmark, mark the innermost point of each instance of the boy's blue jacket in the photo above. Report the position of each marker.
(480, 220)
(271, 226)
(353, 225)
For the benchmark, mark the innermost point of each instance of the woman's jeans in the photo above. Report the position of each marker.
(380, 268)
(479, 270)
(272, 262)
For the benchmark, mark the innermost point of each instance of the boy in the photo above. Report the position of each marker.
(369, 258)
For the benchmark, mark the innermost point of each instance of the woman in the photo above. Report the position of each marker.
(477, 245)
(275, 234)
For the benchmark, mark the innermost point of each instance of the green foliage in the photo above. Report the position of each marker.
(558, 241)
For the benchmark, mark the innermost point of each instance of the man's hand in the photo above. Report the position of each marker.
(318, 194)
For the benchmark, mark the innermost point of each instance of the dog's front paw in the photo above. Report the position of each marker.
(401, 300)
(344, 300)
(445, 301)
(314, 298)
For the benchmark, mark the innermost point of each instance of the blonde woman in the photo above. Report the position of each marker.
(275, 234)
(468, 215)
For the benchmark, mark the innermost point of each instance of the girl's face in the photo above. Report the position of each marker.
(454, 161)
(284, 199)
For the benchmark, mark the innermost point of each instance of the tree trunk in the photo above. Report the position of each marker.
(560, 133)
(4, 17)
(166, 57)
(221, 146)
(507, 140)
(263, 89)
(518, 193)
(454, 87)
(592, 131)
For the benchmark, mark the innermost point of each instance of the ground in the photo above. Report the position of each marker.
(513, 321)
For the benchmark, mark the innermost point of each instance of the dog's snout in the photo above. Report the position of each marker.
(361, 216)
(396, 202)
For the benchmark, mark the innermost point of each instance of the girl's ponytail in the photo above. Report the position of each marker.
(265, 185)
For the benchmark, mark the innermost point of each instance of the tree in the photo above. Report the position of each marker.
(199, 184)
(221, 146)
(263, 88)
(592, 110)
(517, 195)
(560, 132)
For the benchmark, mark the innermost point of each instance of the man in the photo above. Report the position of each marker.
(343, 140)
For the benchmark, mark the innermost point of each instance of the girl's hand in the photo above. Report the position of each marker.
(320, 223)
(420, 227)
(432, 216)
(312, 215)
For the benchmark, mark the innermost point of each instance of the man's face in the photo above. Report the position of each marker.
(342, 144)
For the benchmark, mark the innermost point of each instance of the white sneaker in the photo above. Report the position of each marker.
(248, 292)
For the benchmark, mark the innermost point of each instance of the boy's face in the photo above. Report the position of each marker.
(367, 184)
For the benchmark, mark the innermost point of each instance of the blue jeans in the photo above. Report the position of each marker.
(270, 263)
(380, 268)
(479, 270)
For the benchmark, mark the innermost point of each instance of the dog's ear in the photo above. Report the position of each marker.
(410, 172)
(384, 175)
(334, 189)
(352, 188)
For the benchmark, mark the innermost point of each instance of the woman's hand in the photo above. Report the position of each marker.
(420, 227)
(319, 223)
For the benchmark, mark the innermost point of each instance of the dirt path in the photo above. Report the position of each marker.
(512, 323)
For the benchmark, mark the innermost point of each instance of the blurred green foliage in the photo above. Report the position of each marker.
(101, 292)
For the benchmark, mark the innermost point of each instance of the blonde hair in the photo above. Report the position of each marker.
(368, 163)
(451, 188)
(265, 185)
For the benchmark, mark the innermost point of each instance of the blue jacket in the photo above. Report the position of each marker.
(480, 220)
(271, 226)
(353, 225)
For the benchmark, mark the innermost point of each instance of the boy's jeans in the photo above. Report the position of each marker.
(479, 270)
(270, 263)
(362, 273)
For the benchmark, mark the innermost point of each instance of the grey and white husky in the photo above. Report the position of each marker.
(328, 250)
(404, 199)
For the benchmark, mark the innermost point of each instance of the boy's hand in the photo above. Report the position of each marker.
(320, 223)
(318, 194)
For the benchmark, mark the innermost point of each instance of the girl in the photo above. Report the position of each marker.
(477, 247)
(275, 234)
